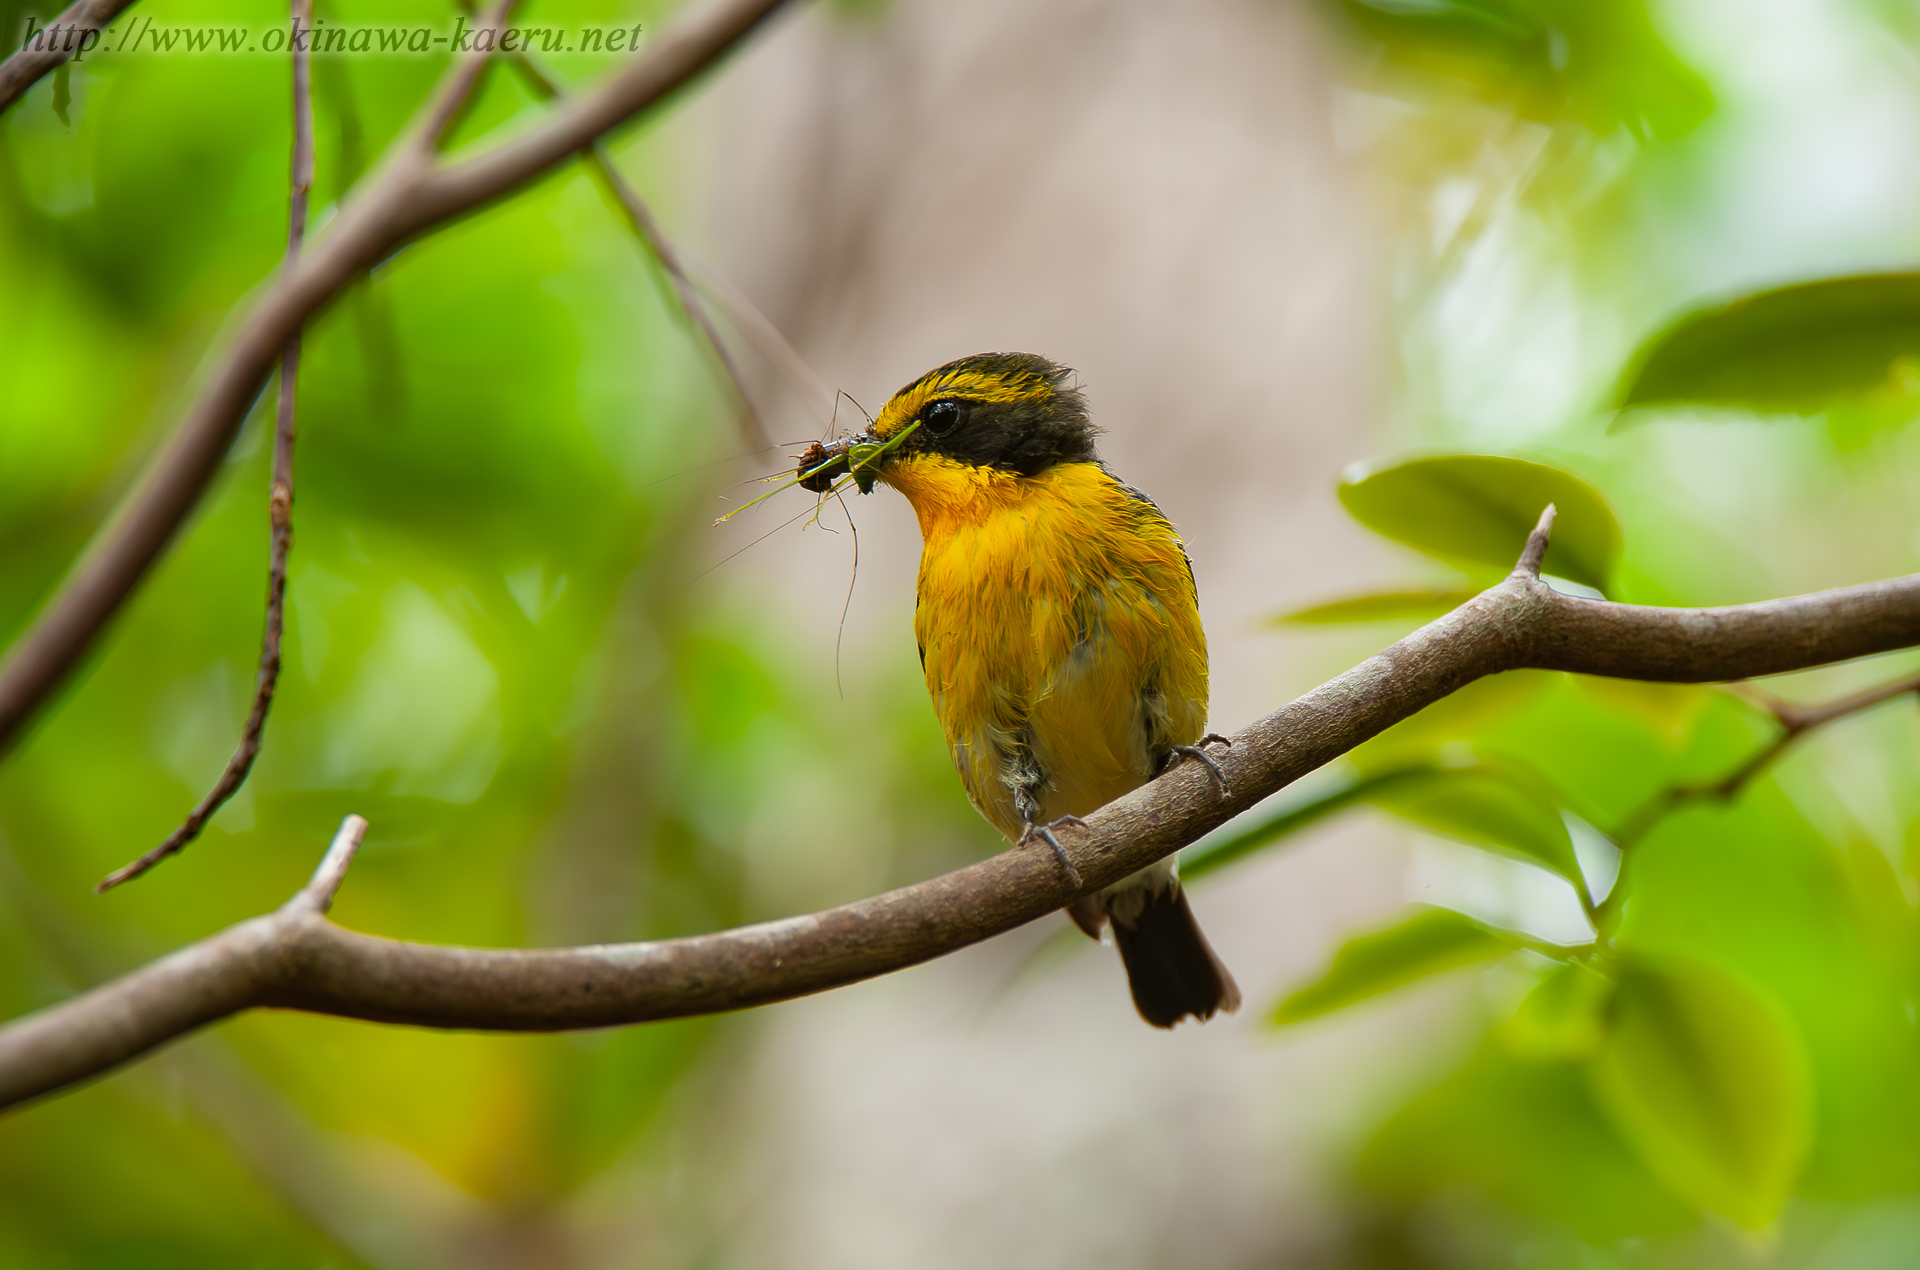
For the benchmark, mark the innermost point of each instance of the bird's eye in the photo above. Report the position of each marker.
(941, 418)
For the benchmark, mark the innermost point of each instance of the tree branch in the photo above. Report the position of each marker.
(640, 219)
(279, 490)
(24, 69)
(408, 193)
(317, 895)
(295, 959)
(1535, 552)
(759, 331)
(1795, 722)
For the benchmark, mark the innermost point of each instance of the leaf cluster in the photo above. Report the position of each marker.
(1735, 1028)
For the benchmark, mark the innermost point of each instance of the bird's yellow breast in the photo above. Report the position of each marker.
(1058, 628)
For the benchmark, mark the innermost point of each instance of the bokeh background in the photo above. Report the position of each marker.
(1276, 238)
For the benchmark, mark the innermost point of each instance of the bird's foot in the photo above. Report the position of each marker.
(1179, 752)
(1045, 834)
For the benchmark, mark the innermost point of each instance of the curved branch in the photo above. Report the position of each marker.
(407, 194)
(63, 37)
(295, 959)
(173, 996)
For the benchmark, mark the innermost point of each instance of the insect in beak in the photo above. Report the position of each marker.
(859, 456)
(821, 465)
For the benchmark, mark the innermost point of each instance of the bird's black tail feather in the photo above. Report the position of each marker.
(1171, 968)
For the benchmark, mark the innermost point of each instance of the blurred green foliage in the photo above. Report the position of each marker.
(1795, 349)
(1386, 606)
(499, 650)
(1731, 1044)
(1694, 1049)
(1426, 941)
(1481, 507)
(491, 639)
(1600, 64)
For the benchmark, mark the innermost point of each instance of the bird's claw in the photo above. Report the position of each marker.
(1178, 752)
(1045, 834)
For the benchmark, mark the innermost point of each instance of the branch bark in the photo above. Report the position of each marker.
(295, 959)
(407, 194)
(26, 67)
(280, 486)
(1795, 722)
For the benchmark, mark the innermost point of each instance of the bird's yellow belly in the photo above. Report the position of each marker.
(1064, 660)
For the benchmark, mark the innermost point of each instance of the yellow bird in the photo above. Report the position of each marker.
(1059, 630)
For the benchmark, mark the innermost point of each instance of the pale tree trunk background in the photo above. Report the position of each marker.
(1152, 194)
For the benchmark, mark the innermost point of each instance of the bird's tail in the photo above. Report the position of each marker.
(1171, 968)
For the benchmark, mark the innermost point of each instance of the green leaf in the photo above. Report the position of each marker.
(1213, 851)
(1602, 65)
(1708, 1083)
(1528, 1136)
(1797, 348)
(1426, 942)
(1459, 717)
(1501, 809)
(62, 93)
(1386, 606)
(1667, 710)
(1482, 507)
(1563, 1017)
(1877, 902)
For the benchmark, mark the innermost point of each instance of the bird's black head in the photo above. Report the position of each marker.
(1011, 412)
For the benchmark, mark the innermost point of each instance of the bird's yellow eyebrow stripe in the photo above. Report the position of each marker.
(972, 384)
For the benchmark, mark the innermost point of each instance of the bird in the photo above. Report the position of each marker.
(1059, 631)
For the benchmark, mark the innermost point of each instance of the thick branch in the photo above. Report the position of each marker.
(1592, 637)
(407, 194)
(296, 959)
(58, 42)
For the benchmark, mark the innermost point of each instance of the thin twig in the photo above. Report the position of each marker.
(405, 195)
(446, 108)
(759, 331)
(317, 895)
(280, 489)
(1535, 552)
(295, 959)
(1798, 719)
(1795, 722)
(640, 219)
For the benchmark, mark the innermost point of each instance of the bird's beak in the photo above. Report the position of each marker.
(824, 463)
